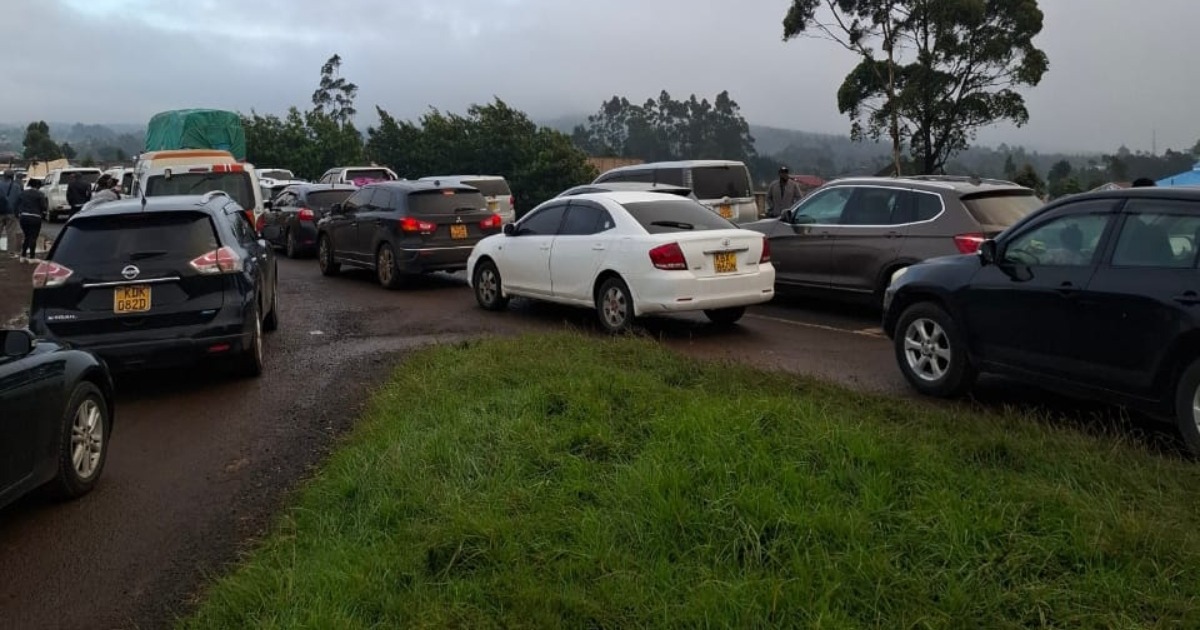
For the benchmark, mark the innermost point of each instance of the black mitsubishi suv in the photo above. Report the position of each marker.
(167, 281)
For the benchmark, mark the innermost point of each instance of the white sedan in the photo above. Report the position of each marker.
(626, 254)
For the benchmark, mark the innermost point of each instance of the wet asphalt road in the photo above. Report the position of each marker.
(200, 462)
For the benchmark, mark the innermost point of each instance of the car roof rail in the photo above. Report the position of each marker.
(966, 179)
(208, 196)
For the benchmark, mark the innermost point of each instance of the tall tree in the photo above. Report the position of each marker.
(38, 143)
(1027, 176)
(335, 95)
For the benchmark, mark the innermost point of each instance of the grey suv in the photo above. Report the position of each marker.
(851, 235)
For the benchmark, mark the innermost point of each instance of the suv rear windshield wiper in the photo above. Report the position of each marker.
(674, 224)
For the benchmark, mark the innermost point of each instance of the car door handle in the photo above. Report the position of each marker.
(545, 248)
(1189, 298)
(599, 247)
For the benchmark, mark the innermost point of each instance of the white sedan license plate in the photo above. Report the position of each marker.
(725, 262)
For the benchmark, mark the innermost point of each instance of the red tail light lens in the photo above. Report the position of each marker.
(260, 223)
(492, 223)
(409, 224)
(766, 254)
(668, 257)
(223, 260)
(969, 243)
(49, 275)
(306, 214)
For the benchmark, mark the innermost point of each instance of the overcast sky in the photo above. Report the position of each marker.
(1119, 71)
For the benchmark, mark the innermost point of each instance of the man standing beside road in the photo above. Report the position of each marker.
(32, 208)
(783, 194)
(10, 190)
(79, 192)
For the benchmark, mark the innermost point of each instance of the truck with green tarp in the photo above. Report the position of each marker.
(197, 129)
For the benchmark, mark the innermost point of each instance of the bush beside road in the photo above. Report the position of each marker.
(564, 480)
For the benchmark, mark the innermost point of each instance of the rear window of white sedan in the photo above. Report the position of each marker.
(676, 215)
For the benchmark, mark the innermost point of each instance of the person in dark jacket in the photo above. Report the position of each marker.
(32, 208)
(9, 191)
(79, 192)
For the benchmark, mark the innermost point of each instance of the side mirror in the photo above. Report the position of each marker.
(987, 252)
(16, 343)
(510, 229)
(802, 219)
(786, 217)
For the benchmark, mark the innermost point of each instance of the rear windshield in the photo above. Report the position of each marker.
(325, 199)
(490, 187)
(659, 217)
(438, 202)
(364, 176)
(1001, 209)
(86, 177)
(90, 240)
(715, 182)
(238, 185)
(276, 174)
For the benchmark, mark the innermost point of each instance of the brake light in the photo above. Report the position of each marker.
(49, 275)
(228, 168)
(409, 224)
(969, 243)
(260, 223)
(669, 257)
(766, 254)
(223, 260)
(492, 223)
(306, 214)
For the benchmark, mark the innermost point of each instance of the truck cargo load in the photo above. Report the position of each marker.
(197, 129)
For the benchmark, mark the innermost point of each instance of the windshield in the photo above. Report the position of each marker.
(438, 202)
(324, 200)
(489, 187)
(87, 177)
(1002, 209)
(716, 182)
(104, 239)
(364, 176)
(276, 173)
(238, 185)
(673, 215)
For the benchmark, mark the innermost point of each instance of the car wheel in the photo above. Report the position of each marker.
(329, 266)
(931, 352)
(385, 268)
(614, 304)
(489, 291)
(83, 446)
(725, 316)
(1187, 407)
(289, 245)
(271, 323)
(251, 362)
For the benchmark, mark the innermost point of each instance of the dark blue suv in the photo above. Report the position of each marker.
(161, 282)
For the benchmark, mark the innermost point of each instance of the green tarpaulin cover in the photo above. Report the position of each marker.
(197, 129)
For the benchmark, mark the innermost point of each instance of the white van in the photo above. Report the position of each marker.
(493, 187)
(54, 185)
(723, 185)
(197, 171)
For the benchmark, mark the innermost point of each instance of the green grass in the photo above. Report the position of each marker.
(563, 481)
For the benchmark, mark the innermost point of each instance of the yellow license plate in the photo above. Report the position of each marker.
(725, 211)
(131, 299)
(725, 262)
(458, 230)
(493, 205)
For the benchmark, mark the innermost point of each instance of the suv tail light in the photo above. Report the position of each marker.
(223, 260)
(969, 243)
(306, 214)
(766, 253)
(49, 275)
(492, 223)
(409, 224)
(668, 257)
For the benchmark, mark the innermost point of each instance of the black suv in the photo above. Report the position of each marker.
(405, 228)
(1097, 295)
(161, 281)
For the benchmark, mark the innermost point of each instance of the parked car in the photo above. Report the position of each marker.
(277, 174)
(199, 171)
(58, 415)
(849, 237)
(174, 281)
(1096, 295)
(358, 175)
(400, 229)
(123, 175)
(54, 185)
(494, 188)
(626, 255)
(291, 218)
(667, 189)
(722, 185)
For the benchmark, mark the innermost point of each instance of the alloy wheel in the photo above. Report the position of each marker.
(927, 350)
(615, 307)
(87, 439)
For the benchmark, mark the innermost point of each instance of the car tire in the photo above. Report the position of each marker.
(489, 288)
(271, 323)
(386, 272)
(614, 306)
(290, 247)
(83, 444)
(325, 260)
(1187, 407)
(250, 364)
(932, 353)
(725, 316)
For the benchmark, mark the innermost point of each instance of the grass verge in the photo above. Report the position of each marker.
(564, 481)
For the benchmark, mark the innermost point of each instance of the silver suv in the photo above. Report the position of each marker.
(850, 236)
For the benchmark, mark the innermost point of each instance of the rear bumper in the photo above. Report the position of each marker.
(433, 259)
(680, 291)
(305, 234)
(140, 355)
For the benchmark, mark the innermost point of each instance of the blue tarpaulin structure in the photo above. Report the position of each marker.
(1190, 178)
